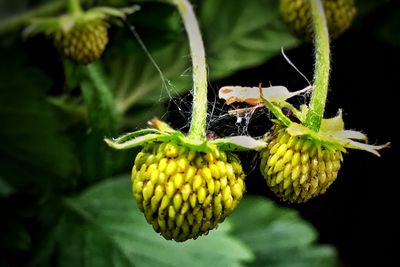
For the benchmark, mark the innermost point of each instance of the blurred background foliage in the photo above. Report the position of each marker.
(65, 197)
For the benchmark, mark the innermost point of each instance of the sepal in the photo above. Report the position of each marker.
(239, 143)
(137, 141)
(66, 22)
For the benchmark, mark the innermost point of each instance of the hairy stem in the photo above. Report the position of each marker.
(103, 121)
(322, 67)
(199, 111)
(74, 7)
(99, 100)
(20, 20)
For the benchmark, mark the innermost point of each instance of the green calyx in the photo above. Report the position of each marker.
(79, 35)
(332, 134)
(162, 132)
(67, 22)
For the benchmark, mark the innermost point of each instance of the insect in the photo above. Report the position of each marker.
(251, 96)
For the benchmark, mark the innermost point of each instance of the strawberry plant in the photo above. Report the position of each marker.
(124, 144)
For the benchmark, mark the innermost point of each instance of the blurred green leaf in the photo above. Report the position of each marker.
(103, 227)
(278, 236)
(33, 149)
(136, 79)
(242, 35)
(104, 220)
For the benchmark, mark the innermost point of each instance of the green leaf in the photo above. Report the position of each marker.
(242, 35)
(33, 149)
(278, 236)
(103, 227)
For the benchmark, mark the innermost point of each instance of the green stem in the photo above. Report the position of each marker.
(199, 111)
(99, 100)
(17, 21)
(322, 67)
(97, 159)
(74, 7)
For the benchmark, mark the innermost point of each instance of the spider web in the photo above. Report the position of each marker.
(166, 84)
(179, 107)
(252, 121)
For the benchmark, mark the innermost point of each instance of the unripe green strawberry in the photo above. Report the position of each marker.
(84, 42)
(296, 168)
(183, 193)
(297, 15)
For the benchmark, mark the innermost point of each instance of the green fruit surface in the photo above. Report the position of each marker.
(183, 193)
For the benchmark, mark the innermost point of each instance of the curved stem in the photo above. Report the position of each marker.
(74, 7)
(199, 111)
(22, 19)
(322, 67)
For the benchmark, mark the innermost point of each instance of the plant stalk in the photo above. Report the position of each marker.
(103, 121)
(74, 7)
(199, 110)
(322, 67)
(99, 100)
